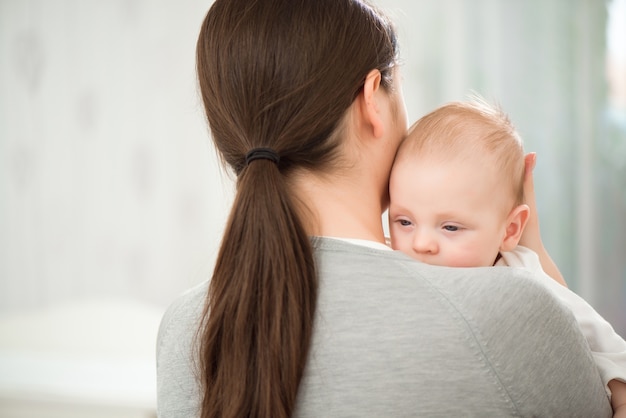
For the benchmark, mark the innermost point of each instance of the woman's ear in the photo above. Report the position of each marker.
(515, 224)
(370, 107)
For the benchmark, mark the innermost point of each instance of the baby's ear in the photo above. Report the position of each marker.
(515, 224)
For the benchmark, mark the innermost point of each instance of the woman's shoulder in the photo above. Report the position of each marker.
(494, 327)
(530, 340)
(177, 391)
(491, 304)
(338, 257)
(519, 333)
(184, 312)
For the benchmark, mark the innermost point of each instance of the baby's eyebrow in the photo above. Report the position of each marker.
(452, 215)
(394, 207)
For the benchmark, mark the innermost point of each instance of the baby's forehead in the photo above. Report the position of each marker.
(412, 152)
(469, 146)
(473, 169)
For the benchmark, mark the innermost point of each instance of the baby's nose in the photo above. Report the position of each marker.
(425, 242)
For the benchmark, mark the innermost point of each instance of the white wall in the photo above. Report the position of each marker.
(111, 199)
(109, 184)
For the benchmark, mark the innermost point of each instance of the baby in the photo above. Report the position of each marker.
(457, 200)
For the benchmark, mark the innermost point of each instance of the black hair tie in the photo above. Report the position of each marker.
(262, 154)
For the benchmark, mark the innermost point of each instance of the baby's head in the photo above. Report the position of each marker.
(456, 187)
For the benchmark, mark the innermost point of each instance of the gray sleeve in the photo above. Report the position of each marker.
(177, 387)
(536, 349)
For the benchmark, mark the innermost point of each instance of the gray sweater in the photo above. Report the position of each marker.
(398, 338)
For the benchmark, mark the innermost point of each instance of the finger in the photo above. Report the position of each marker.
(530, 160)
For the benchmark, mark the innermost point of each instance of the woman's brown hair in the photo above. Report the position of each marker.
(277, 74)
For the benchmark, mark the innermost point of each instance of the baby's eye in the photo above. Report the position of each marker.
(451, 228)
(404, 222)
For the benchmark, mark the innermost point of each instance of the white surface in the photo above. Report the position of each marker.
(98, 355)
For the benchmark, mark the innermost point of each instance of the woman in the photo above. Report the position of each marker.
(308, 313)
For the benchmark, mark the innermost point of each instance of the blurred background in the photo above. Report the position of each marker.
(112, 201)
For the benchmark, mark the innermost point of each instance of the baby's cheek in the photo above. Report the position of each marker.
(399, 242)
(396, 243)
(466, 257)
(479, 260)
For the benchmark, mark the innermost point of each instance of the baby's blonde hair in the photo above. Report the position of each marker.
(467, 130)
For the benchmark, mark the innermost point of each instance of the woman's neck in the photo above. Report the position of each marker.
(341, 207)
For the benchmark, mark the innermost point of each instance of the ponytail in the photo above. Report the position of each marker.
(261, 303)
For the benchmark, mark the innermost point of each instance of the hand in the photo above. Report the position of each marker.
(531, 236)
(618, 398)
